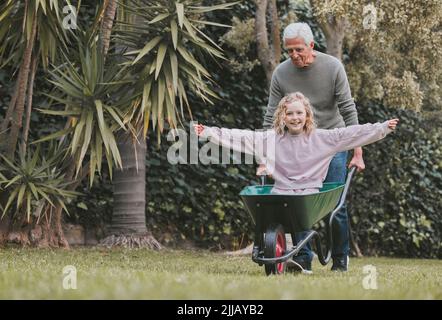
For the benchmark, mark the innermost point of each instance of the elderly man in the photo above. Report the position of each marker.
(322, 79)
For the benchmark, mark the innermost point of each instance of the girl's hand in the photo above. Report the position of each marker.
(392, 123)
(261, 170)
(199, 128)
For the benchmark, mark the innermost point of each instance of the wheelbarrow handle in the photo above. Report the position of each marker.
(263, 180)
(350, 174)
(346, 187)
(324, 259)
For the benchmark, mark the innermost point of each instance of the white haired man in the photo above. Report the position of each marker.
(322, 79)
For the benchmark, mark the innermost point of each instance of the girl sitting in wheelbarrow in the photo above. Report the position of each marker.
(294, 152)
(298, 156)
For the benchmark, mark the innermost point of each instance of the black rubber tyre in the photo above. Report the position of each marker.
(275, 246)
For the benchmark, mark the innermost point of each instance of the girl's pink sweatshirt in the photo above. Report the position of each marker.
(297, 161)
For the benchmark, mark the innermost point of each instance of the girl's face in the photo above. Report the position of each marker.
(295, 117)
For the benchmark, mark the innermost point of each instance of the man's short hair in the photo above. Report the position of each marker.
(298, 30)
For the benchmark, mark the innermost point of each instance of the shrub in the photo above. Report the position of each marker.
(396, 202)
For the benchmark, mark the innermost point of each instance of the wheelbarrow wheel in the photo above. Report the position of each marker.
(275, 246)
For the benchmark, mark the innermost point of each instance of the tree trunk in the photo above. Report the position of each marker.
(52, 233)
(275, 32)
(4, 226)
(129, 188)
(58, 229)
(43, 232)
(107, 23)
(29, 103)
(269, 54)
(11, 106)
(20, 103)
(19, 232)
(335, 32)
(128, 226)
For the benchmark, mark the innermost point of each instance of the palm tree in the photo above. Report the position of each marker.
(165, 66)
(30, 32)
(118, 95)
(129, 182)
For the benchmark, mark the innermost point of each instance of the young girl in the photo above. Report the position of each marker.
(294, 151)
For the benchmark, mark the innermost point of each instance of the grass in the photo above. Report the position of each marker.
(171, 274)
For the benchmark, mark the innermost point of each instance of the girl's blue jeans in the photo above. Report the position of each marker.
(337, 172)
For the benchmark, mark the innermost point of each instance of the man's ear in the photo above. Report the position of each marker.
(312, 44)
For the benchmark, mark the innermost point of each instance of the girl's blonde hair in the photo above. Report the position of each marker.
(278, 122)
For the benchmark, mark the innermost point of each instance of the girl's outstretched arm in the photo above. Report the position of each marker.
(238, 140)
(359, 135)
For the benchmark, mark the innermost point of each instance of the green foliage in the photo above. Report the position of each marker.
(16, 20)
(403, 93)
(194, 203)
(198, 203)
(241, 35)
(241, 38)
(93, 209)
(169, 64)
(94, 96)
(201, 203)
(401, 48)
(99, 98)
(31, 182)
(396, 203)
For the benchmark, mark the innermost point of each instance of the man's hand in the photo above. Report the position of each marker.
(357, 160)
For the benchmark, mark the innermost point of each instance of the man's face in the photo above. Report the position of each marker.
(299, 52)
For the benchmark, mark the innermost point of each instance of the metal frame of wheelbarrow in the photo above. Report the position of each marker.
(275, 265)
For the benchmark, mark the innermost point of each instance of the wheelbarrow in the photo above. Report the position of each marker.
(274, 214)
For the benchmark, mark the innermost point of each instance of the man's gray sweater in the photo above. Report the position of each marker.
(324, 83)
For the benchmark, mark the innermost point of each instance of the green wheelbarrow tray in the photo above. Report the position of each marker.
(275, 214)
(294, 212)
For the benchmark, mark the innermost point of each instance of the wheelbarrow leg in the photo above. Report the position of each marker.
(258, 246)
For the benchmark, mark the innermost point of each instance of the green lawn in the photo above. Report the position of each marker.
(143, 274)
